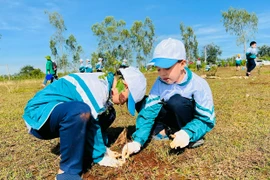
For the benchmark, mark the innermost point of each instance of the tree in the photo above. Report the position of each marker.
(264, 51)
(116, 42)
(240, 23)
(190, 42)
(30, 71)
(142, 39)
(53, 48)
(74, 49)
(57, 40)
(212, 51)
(112, 37)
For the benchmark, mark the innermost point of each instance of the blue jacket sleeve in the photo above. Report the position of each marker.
(204, 117)
(146, 118)
(202, 123)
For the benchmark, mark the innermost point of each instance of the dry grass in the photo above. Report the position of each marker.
(237, 148)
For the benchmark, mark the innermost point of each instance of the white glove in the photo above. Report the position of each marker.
(112, 154)
(109, 161)
(181, 139)
(130, 148)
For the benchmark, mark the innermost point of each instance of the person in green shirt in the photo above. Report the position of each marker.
(49, 71)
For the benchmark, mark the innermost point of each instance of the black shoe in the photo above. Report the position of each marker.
(196, 144)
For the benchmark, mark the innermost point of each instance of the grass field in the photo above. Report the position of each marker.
(237, 148)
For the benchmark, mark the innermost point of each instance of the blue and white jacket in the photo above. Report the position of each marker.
(192, 87)
(251, 53)
(84, 87)
(99, 66)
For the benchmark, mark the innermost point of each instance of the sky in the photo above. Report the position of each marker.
(26, 30)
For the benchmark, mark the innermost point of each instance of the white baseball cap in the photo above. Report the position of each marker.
(100, 59)
(136, 85)
(168, 52)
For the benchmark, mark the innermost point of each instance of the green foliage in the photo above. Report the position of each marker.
(213, 51)
(29, 72)
(190, 42)
(192, 66)
(62, 48)
(74, 49)
(264, 52)
(53, 48)
(113, 40)
(240, 23)
(142, 39)
(120, 85)
(116, 42)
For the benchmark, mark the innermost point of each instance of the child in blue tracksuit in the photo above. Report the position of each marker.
(124, 64)
(78, 109)
(81, 68)
(251, 56)
(88, 66)
(238, 62)
(179, 100)
(99, 65)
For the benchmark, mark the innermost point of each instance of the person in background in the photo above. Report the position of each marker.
(88, 66)
(81, 68)
(78, 108)
(238, 61)
(251, 55)
(179, 105)
(198, 64)
(99, 65)
(55, 69)
(124, 64)
(50, 73)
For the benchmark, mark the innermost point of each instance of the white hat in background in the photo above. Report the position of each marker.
(87, 60)
(100, 59)
(136, 85)
(168, 52)
(124, 60)
(81, 60)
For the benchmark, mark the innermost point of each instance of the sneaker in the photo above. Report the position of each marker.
(196, 144)
(160, 137)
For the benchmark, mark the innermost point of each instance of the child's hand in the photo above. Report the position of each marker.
(130, 148)
(110, 162)
(181, 139)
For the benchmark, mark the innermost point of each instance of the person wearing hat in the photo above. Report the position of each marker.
(124, 64)
(99, 65)
(81, 68)
(179, 105)
(50, 73)
(238, 62)
(88, 66)
(78, 108)
(251, 55)
(198, 64)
